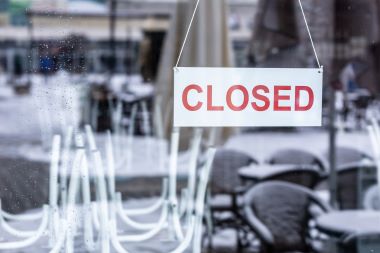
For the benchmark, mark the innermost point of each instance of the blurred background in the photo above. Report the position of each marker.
(108, 64)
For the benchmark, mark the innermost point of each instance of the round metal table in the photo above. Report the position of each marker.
(264, 171)
(347, 222)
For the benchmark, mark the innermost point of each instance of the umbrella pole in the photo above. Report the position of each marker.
(332, 150)
(112, 23)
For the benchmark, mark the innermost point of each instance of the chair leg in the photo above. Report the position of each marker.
(244, 231)
(240, 246)
(210, 228)
(95, 115)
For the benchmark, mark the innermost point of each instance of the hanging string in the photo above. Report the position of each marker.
(187, 33)
(310, 37)
(195, 11)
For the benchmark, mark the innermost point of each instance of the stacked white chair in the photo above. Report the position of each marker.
(71, 214)
(374, 133)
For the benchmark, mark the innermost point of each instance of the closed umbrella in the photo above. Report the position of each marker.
(280, 39)
(208, 45)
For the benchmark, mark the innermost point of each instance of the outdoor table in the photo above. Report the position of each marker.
(347, 222)
(264, 171)
(340, 223)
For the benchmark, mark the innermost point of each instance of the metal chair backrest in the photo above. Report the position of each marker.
(295, 156)
(279, 214)
(224, 176)
(348, 155)
(353, 181)
(307, 176)
(360, 242)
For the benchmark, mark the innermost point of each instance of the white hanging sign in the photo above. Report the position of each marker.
(256, 97)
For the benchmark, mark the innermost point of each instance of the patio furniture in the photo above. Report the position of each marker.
(280, 213)
(354, 184)
(360, 242)
(305, 175)
(347, 155)
(226, 191)
(351, 231)
(296, 156)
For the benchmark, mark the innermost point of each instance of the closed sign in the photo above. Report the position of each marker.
(217, 97)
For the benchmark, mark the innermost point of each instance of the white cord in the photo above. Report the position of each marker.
(308, 31)
(187, 34)
(195, 11)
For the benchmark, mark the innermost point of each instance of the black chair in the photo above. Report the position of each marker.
(280, 215)
(359, 242)
(347, 155)
(298, 157)
(307, 176)
(225, 191)
(353, 182)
